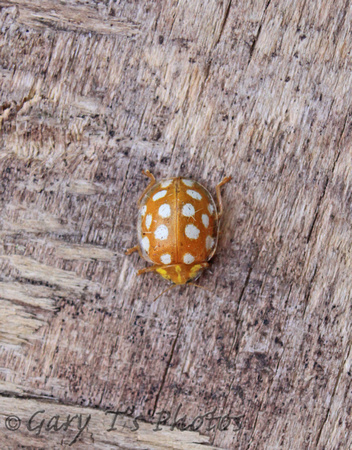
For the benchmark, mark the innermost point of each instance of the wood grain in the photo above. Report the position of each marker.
(94, 92)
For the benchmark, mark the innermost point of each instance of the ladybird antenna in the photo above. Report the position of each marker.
(165, 290)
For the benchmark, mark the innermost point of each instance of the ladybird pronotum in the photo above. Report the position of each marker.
(178, 224)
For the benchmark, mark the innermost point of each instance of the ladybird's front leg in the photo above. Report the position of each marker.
(161, 269)
(149, 269)
(136, 248)
(218, 194)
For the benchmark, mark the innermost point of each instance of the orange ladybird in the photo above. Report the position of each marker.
(177, 227)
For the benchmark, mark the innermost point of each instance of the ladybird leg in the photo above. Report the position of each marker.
(218, 194)
(136, 248)
(151, 183)
(156, 268)
(148, 269)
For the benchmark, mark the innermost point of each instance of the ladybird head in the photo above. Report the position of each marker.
(181, 273)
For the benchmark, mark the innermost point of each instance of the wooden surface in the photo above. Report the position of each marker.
(91, 94)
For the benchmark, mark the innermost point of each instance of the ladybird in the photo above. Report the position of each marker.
(178, 227)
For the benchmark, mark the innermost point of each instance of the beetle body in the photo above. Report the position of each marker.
(177, 228)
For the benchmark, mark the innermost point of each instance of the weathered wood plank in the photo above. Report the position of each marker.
(39, 423)
(91, 95)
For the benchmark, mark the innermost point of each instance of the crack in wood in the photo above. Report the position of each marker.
(224, 21)
(265, 395)
(317, 209)
(327, 180)
(343, 362)
(255, 422)
(244, 287)
(255, 40)
(166, 368)
(234, 340)
(309, 290)
(42, 398)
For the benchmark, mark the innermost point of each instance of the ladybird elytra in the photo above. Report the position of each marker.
(178, 227)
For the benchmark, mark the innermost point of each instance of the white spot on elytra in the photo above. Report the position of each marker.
(194, 194)
(166, 183)
(211, 208)
(188, 210)
(209, 243)
(161, 232)
(205, 220)
(165, 210)
(145, 244)
(143, 210)
(148, 221)
(188, 258)
(189, 183)
(192, 231)
(165, 258)
(159, 195)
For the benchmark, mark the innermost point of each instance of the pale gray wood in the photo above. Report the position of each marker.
(91, 94)
(44, 424)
